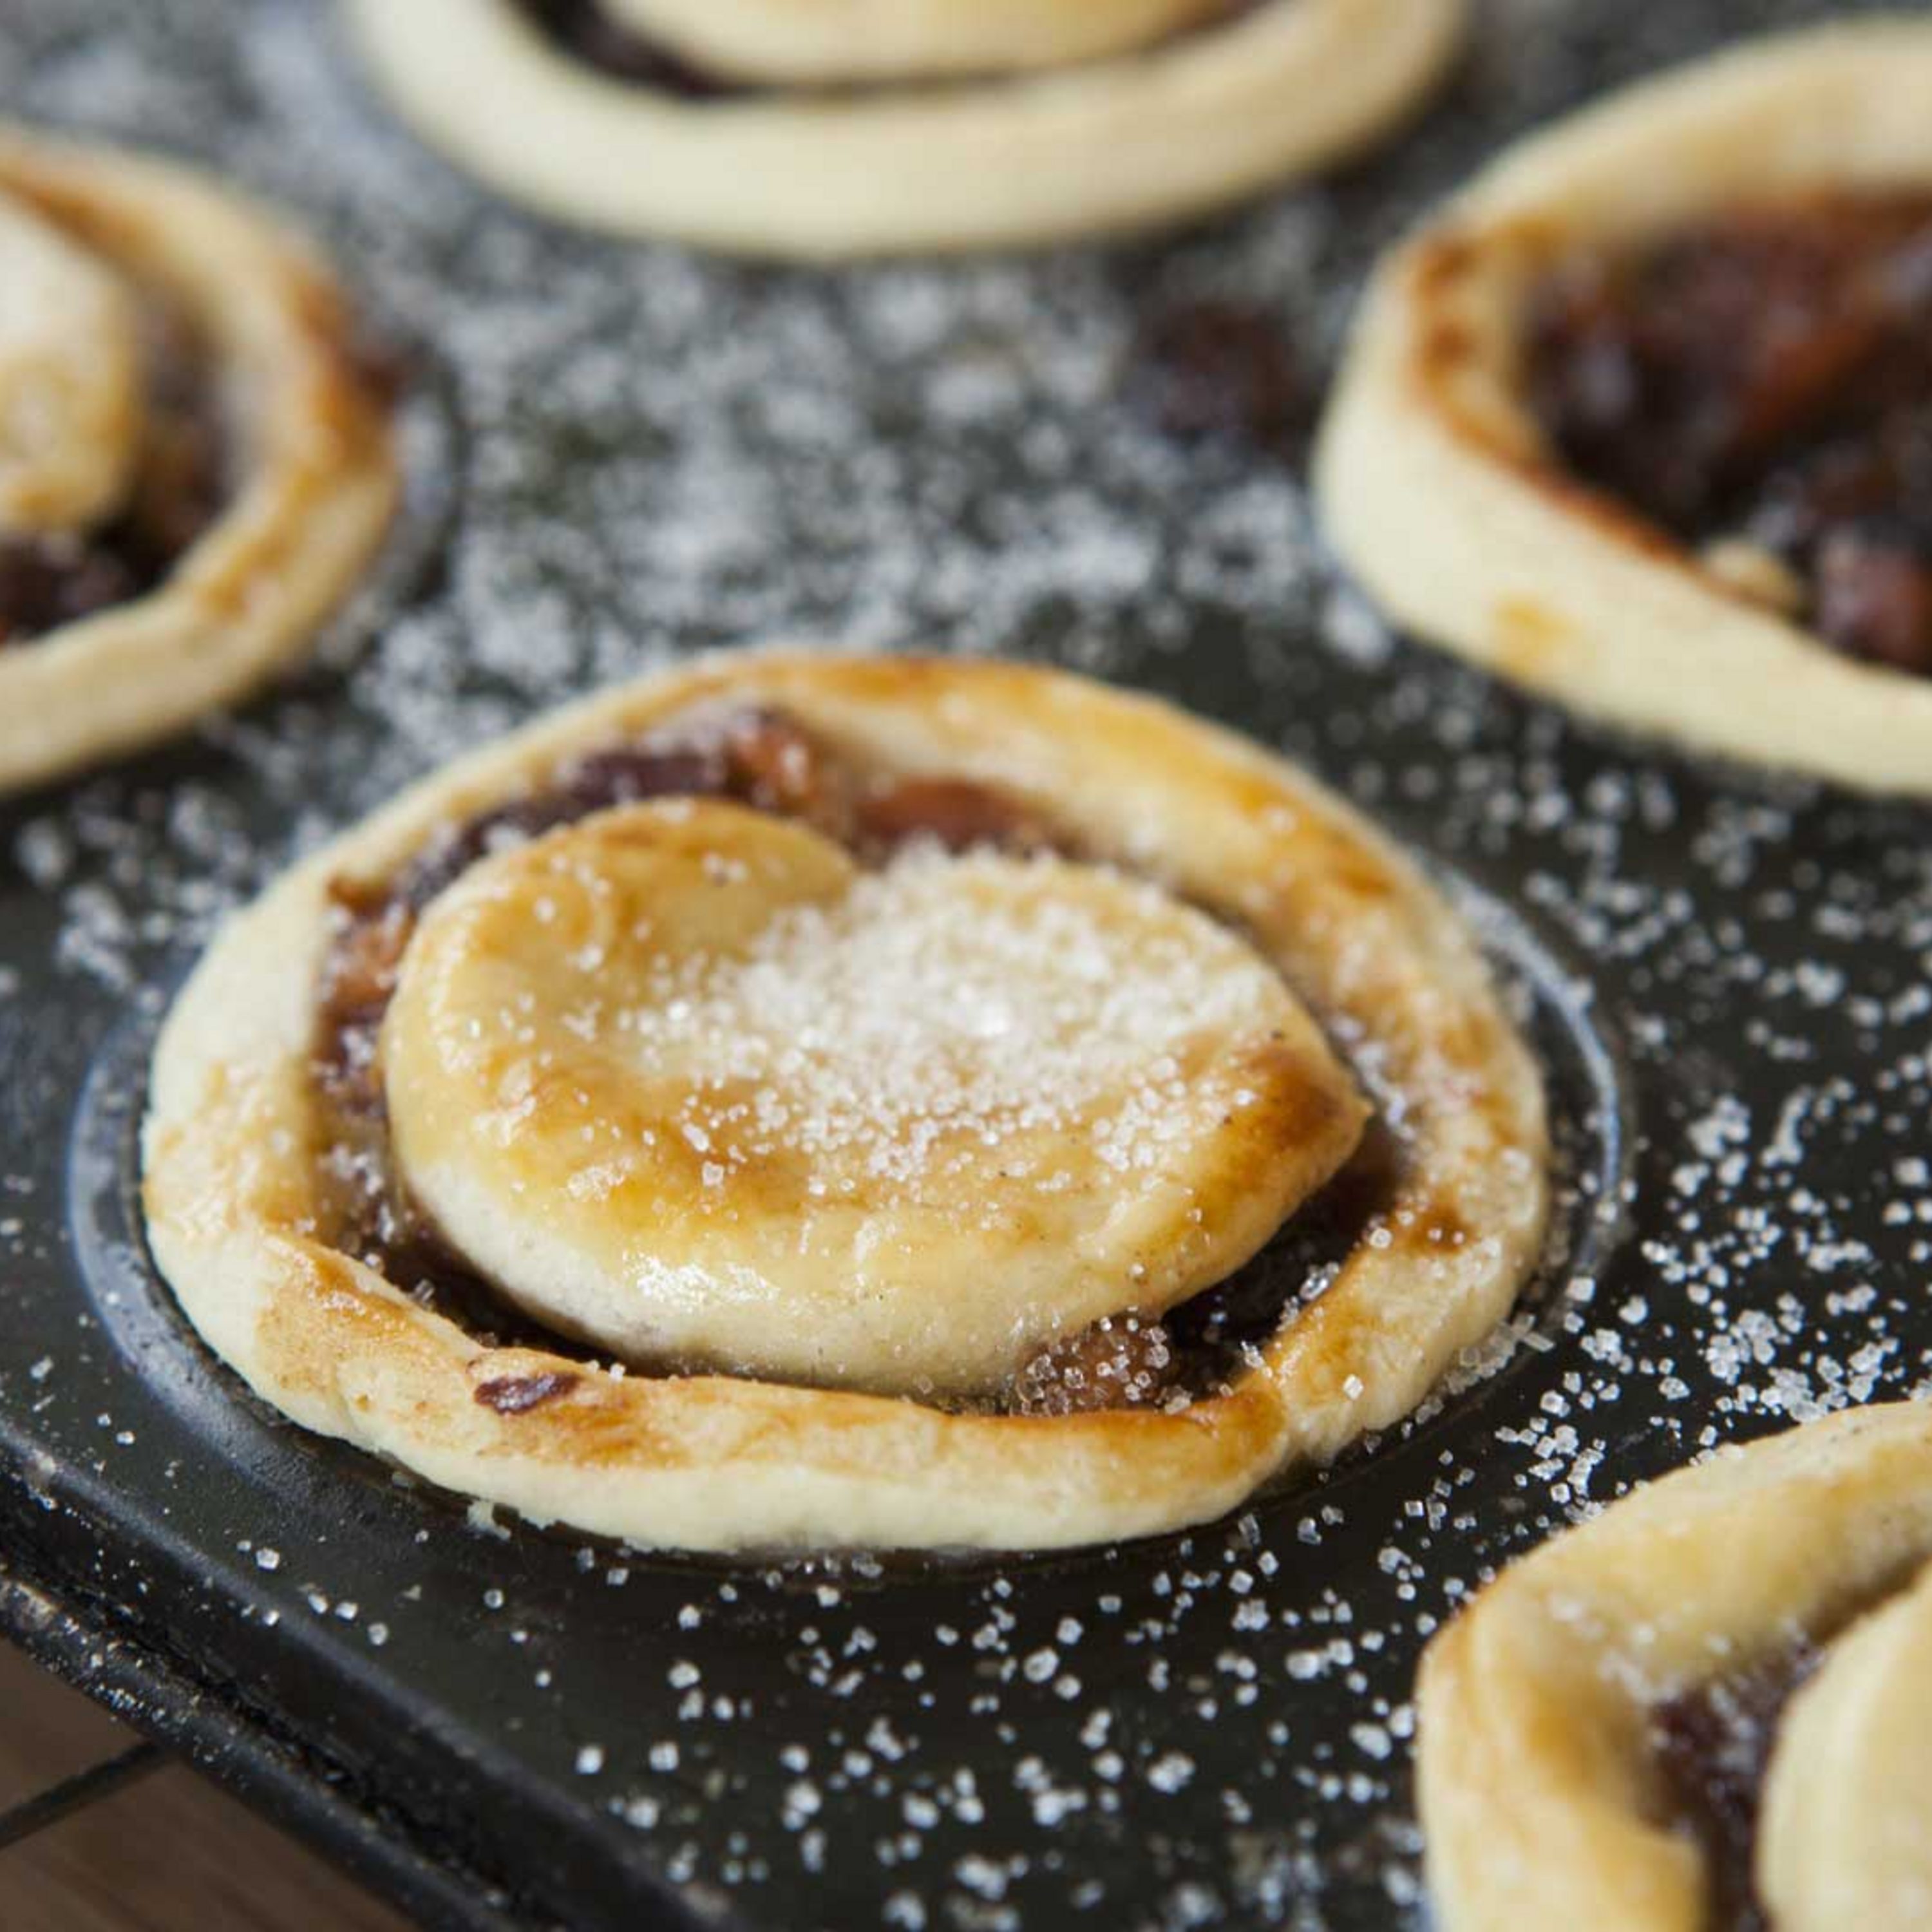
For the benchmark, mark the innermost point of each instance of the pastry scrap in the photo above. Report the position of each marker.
(194, 466)
(1643, 419)
(813, 1101)
(871, 126)
(1706, 1708)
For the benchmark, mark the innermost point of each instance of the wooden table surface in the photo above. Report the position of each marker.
(169, 1853)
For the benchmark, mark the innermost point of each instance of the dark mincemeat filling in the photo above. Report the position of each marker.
(582, 29)
(1766, 376)
(181, 485)
(585, 31)
(1713, 1745)
(1217, 372)
(765, 761)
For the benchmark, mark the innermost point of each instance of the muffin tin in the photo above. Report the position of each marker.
(618, 454)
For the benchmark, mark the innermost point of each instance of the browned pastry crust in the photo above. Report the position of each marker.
(1594, 1727)
(232, 573)
(1446, 492)
(1129, 139)
(240, 1216)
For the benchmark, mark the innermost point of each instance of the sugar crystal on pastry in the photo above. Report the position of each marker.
(899, 1126)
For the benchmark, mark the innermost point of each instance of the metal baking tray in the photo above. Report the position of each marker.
(619, 454)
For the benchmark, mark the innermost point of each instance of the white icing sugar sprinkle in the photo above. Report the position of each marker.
(944, 1007)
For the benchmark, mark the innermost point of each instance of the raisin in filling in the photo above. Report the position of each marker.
(1760, 386)
(765, 761)
(1712, 1745)
(181, 485)
(582, 29)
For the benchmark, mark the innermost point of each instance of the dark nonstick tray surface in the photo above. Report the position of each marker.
(620, 453)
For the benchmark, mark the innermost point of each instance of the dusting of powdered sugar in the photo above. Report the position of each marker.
(939, 1018)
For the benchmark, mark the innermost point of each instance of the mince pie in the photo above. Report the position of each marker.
(1644, 419)
(1706, 1708)
(194, 463)
(811, 1100)
(870, 126)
